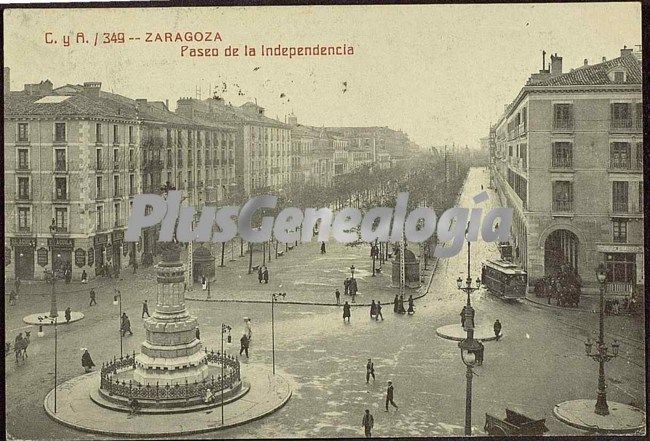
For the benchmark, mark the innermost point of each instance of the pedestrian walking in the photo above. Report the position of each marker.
(204, 283)
(260, 274)
(367, 423)
(248, 330)
(480, 353)
(135, 265)
(266, 275)
(17, 285)
(92, 297)
(389, 396)
(396, 304)
(126, 325)
(86, 360)
(379, 314)
(322, 248)
(401, 309)
(373, 310)
(346, 286)
(346, 311)
(497, 329)
(481, 187)
(198, 333)
(84, 277)
(12, 298)
(244, 345)
(411, 311)
(68, 275)
(145, 308)
(67, 314)
(353, 289)
(370, 370)
(462, 316)
(337, 293)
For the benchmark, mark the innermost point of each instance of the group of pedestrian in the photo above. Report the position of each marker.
(375, 310)
(398, 305)
(263, 274)
(350, 287)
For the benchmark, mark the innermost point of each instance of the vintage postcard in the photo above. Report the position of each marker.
(309, 221)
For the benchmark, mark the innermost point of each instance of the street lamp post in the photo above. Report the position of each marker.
(274, 298)
(56, 351)
(469, 347)
(600, 354)
(352, 268)
(117, 300)
(224, 329)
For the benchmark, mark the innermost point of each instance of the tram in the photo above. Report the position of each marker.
(504, 279)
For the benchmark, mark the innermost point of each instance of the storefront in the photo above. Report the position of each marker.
(61, 253)
(623, 265)
(24, 249)
(100, 243)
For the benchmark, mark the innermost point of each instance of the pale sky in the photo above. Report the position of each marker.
(441, 73)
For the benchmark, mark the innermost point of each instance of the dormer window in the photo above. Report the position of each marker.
(618, 76)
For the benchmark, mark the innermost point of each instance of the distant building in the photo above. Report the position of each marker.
(567, 155)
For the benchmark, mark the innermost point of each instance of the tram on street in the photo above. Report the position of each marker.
(504, 279)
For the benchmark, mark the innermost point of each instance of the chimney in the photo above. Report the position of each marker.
(625, 51)
(92, 88)
(604, 59)
(7, 82)
(586, 62)
(556, 65)
(167, 104)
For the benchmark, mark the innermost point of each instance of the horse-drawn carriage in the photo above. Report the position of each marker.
(20, 347)
(515, 424)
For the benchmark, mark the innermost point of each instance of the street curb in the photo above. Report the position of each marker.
(419, 296)
(596, 429)
(561, 308)
(32, 319)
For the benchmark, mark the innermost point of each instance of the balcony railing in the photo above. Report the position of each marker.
(639, 124)
(623, 125)
(24, 228)
(24, 196)
(99, 165)
(620, 164)
(564, 125)
(101, 195)
(23, 166)
(116, 164)
(61, 195)
(117, 194)
(562, 206)
(562, 162)
(620, 207)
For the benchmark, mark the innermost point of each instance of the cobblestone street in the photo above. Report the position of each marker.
(325, 357)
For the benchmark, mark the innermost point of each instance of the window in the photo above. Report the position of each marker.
(169, 177)
(620, 196)
(23, 159)
(99, 187)
(509, 150)
(116, 134)
(639, 116)
(562, 154)
(562, 116)
(59, 132)
(621, 267)
(639, 155)
(562, 196)
(619, 230)
(116, 186)
(23, 132)
(619, 155)
(100, 218)
(198, 157)
(24, 221)
(61, 218)
(23, 188)
(118, 220)
(131, 184)
(131, 138)
(189, 157)
(59, 160)
(116, 158)
(169, 158)
(179, 158)
(61, 187)
(98, 159)
(641, 197)
(131, 158)
(619, 77)
(621, 115)
(98, 133)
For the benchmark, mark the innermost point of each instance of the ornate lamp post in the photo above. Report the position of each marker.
(225, 329)
(600, 354)
(117, 300)
(352, 268)
(51, 277)
(274, 298)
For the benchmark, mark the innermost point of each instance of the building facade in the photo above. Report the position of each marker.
(567, 156)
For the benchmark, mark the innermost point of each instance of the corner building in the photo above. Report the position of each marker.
(567, 156)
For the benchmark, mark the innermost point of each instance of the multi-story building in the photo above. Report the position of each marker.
(568, 158)
(65, 169)
(262, 145)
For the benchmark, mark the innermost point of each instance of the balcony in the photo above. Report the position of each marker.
(100, 195)
(563, 206)
(116, 164)
(24, 196)
(60, 167)
(132, 165)
(620, 208)
(58, 229)
(61, 196)
(23, 166)
(24, 228)
(639, 124)
(563, 125)
(99, 165)
(117, 194)
(623, 126)
(562, 163)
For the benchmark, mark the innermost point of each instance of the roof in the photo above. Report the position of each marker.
(597, 74)
(237, 115)
(77, 105)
